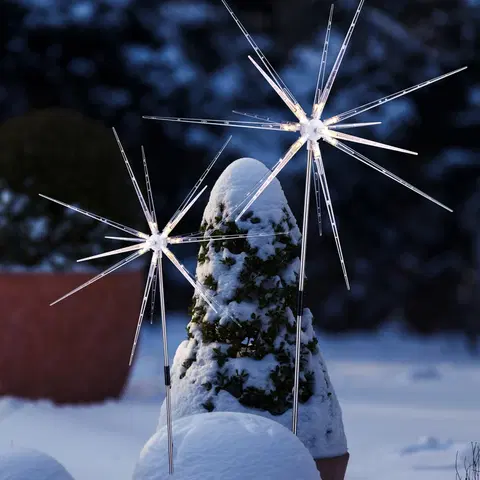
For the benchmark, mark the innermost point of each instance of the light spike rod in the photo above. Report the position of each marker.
(388, 98)
(118, 265)
(200, 180)
(250, 193)
(203, 238)
(171, 225)
(353, 125)
(154, 291)
(318, 110)
(192, 281)
(151, 203)
(350, 151)
(318, 198)
(253, 115)
(364, 141)
(146, 212)
(229, 123)
(326, 194)
(114, 252)
(295, 108)
(104, 220)
(261, 56)
(146, 293)
(125, 239)
(288, 156)
(323, 63)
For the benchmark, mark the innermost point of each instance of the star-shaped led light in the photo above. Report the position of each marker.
(313, 129)
(156, 242)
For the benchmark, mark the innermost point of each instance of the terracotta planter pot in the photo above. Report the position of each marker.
(333, 468)
(76, 351)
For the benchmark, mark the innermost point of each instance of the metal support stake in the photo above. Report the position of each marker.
(301, 282)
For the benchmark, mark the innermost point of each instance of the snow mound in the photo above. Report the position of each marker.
(427, 444)
(227, 446)
(27, 464)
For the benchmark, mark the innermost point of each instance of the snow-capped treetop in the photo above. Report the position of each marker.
(230, 446)
(230, 189)
(23, 463)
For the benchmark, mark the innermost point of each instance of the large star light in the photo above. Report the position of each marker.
(311, 130)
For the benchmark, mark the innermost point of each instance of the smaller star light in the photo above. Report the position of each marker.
(157, 242)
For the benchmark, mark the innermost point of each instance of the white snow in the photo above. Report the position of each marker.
(28, 464)
(383, 416)
(237, 180)
(233, 446)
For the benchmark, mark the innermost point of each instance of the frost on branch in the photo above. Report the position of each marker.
(242, 359)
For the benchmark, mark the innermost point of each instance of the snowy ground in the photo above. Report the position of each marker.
(409, 405)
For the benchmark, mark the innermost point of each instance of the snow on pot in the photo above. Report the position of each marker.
(227, 446)
(28, 464)
(249, 367)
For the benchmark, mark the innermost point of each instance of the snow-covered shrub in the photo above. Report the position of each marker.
(227, 446)
(243, 359)
(29, 464)
(62, 154)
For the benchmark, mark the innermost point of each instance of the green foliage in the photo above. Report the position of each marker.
(202, 256)
(207, 386)
(220, 357)
(66, 156)
(186, 365)
(270, 330)
(209, 406)
(228, 261)
(210, 282)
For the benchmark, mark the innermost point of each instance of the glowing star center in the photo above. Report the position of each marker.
(313, 129)
(157, 242)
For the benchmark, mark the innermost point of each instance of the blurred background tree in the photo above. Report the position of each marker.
(66, 156)
(116, 60)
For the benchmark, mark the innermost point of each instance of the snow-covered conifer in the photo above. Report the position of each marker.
(242, 360)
